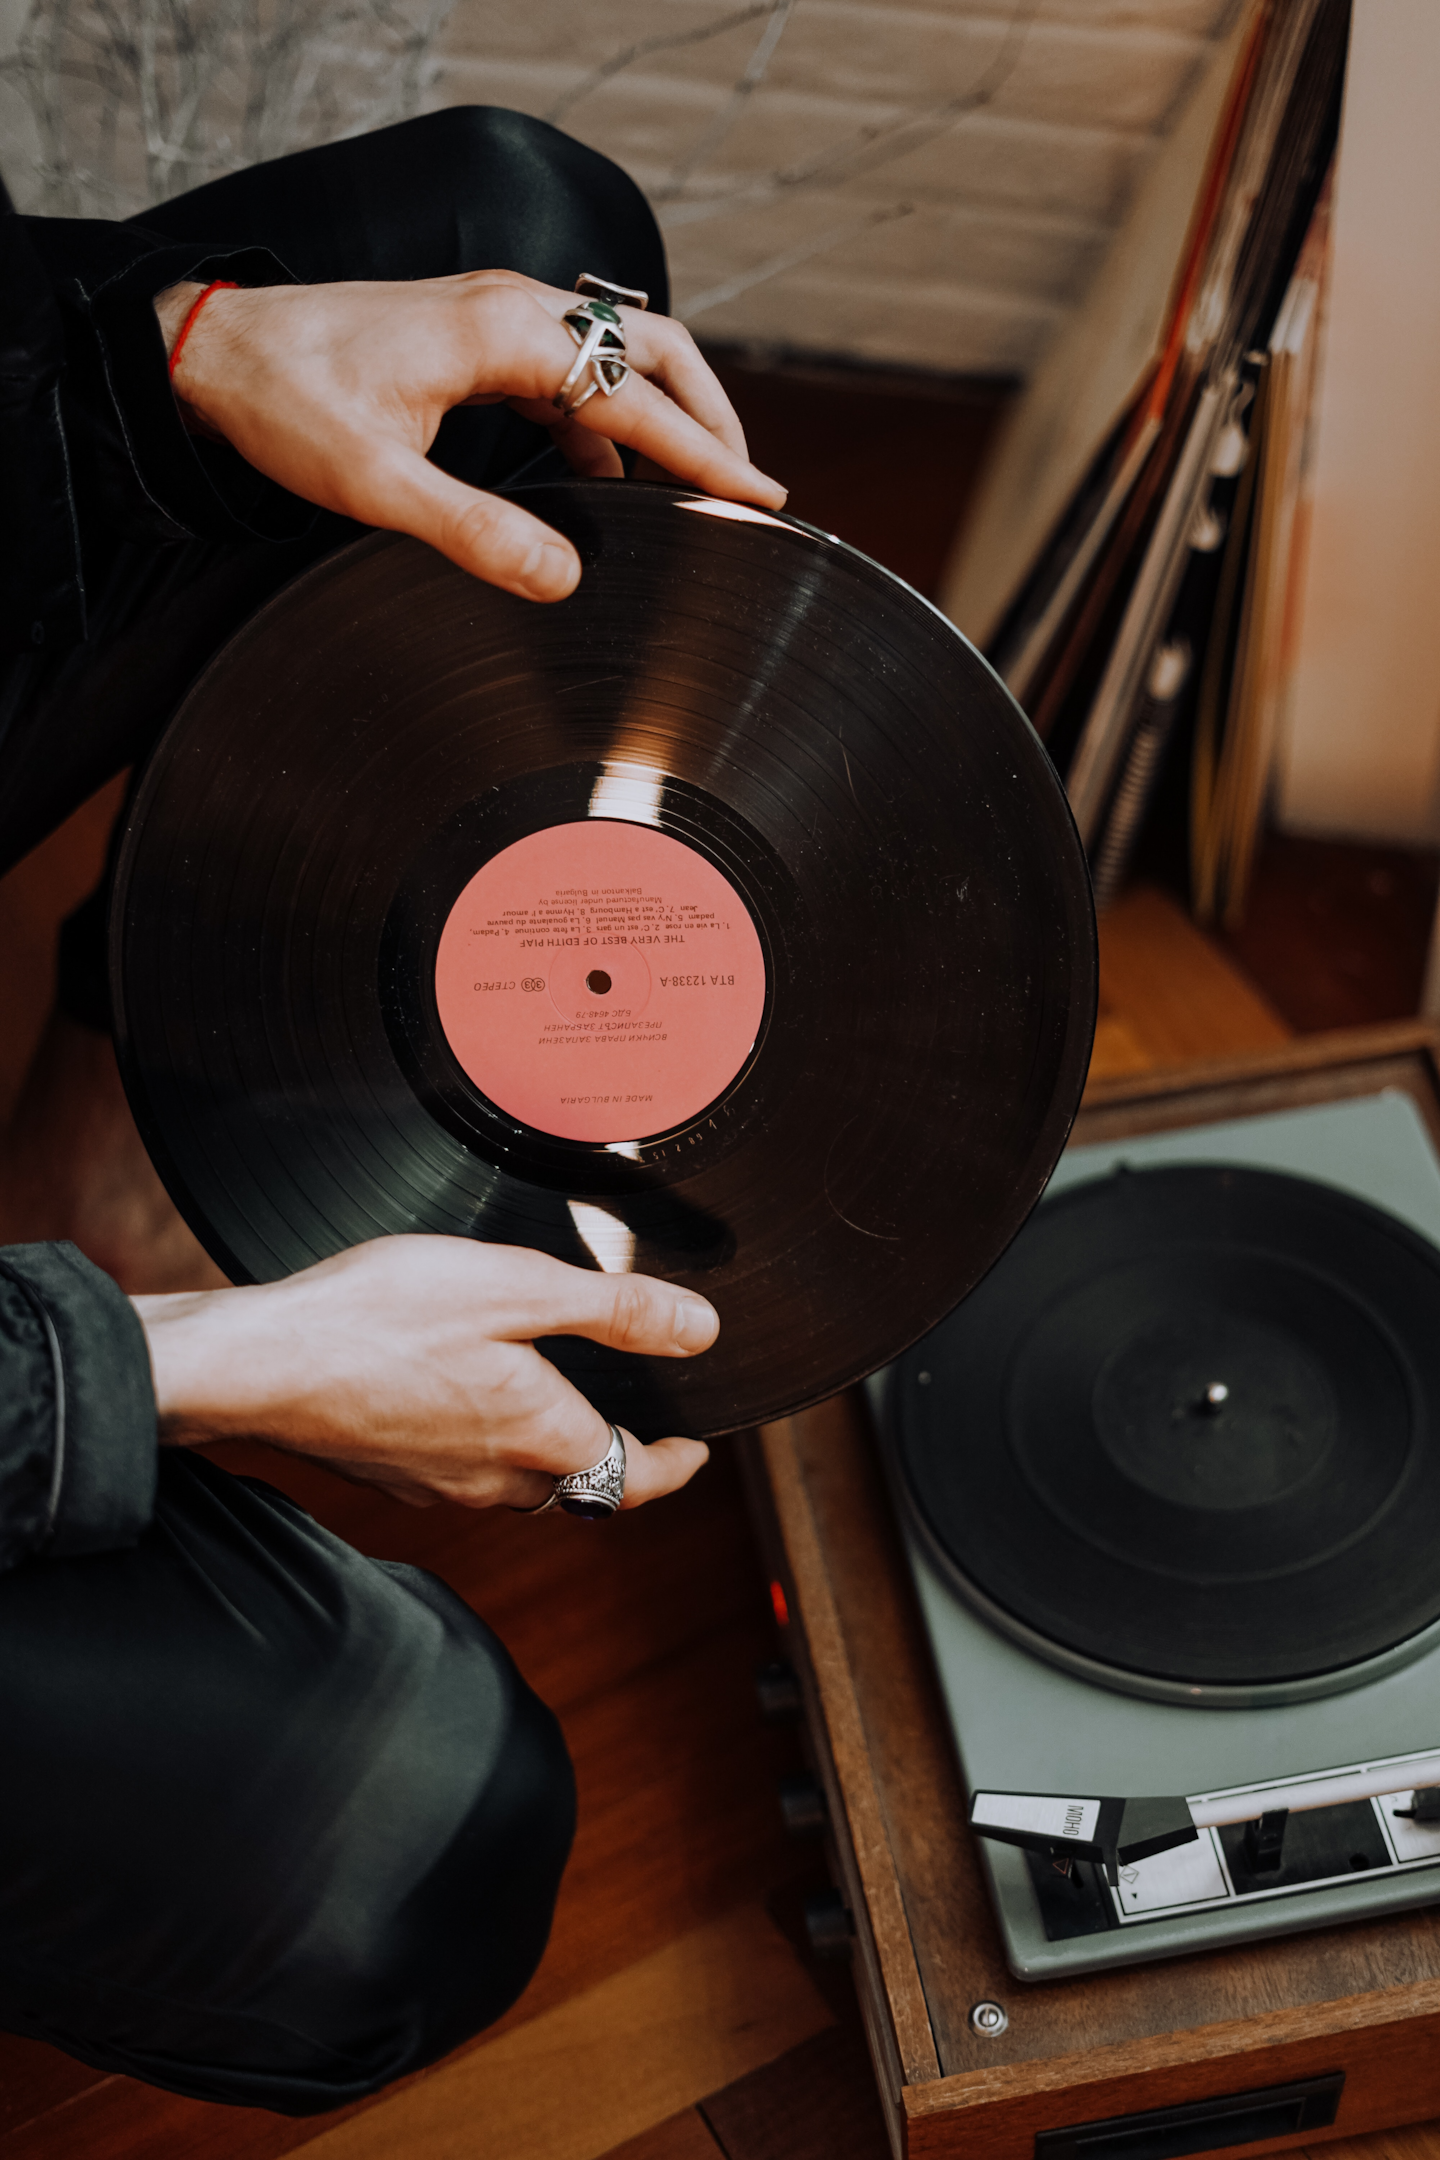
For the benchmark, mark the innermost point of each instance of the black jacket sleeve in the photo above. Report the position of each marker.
(91, 443)
(77, 1409)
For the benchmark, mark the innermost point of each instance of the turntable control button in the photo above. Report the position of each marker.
(829, 1924)
(1424, 1805)
(1265, 1840)
(802, 1804)
(777, 1691)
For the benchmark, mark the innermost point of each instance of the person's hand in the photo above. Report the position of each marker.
(409, 1363)
(336, 392)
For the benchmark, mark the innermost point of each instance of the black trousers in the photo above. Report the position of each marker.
(278, 1823)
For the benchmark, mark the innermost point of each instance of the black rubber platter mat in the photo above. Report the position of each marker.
(1187, 1429)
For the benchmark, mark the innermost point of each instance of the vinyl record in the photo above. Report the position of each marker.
(1186, 1439)
(724, 922)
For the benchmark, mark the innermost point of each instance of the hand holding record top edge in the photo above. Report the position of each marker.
(337, 391)
(409, 1363)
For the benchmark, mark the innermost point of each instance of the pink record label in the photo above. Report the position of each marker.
(600, 981)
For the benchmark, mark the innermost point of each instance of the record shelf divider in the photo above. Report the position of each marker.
(1085, 2054)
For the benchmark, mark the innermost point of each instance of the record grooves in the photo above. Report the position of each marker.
(724, 922)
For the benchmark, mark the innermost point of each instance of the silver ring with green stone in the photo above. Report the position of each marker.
(597, 329)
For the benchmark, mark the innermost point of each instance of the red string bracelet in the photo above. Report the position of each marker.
(220, 285)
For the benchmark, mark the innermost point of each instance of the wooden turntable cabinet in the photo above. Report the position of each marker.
(1249, 2049)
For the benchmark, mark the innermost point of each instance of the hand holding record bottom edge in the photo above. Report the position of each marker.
(409, 1363)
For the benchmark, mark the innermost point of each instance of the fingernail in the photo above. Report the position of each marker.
(696, 1324)
(551, 572)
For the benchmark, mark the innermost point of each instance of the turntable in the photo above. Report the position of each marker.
(1170, 1489)
(1275, 1702)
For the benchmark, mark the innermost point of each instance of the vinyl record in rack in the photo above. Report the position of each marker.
(723, 922)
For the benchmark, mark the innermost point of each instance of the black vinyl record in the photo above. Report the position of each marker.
(1186, 1438)
(724, 922)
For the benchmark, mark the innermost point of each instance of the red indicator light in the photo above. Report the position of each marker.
(777, 1599)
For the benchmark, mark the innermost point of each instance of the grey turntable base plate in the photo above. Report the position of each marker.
(1023, 1725)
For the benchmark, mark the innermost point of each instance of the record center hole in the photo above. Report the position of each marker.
(597, 981)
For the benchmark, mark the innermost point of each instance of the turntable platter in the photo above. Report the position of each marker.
(1185, 1434)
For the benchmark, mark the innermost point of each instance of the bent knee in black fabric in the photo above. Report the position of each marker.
(281, 1823)
(474, 187)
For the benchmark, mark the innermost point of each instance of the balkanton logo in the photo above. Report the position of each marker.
(532, 982)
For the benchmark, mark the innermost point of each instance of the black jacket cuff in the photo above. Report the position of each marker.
(119, 406)
(77, 1409)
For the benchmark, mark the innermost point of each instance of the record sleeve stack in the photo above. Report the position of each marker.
(1130, 571)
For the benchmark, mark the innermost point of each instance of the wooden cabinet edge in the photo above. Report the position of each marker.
(1358, 2019)
(872, 1884)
